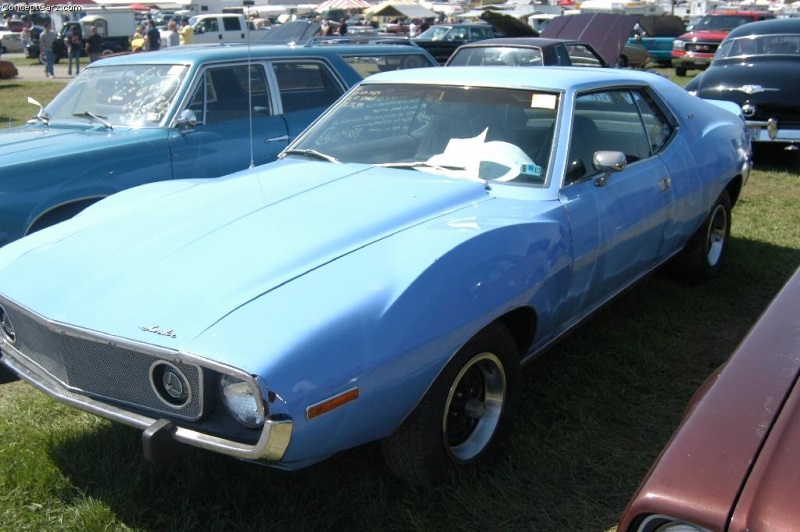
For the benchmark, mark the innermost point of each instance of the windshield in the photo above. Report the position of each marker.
(480, 133)
(755, 45)
(133, 95)
(497, 55)
(434, 33)
(721, 22)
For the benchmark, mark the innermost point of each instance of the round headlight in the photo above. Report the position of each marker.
(678, 45)
(241, 401)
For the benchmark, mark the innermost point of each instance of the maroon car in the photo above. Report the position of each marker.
(732, 463)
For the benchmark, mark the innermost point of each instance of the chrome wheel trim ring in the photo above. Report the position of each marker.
(717, 233)
(473, 408)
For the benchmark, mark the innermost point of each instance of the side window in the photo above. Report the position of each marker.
(226, 94)
(102, 29)
(210, 24)
(580, 55)
(366, 65)
(231, 24)
(458, 34)
(480, 33)
(305, 85)
(658, 128)
(606, 121)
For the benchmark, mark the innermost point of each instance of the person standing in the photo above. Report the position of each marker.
(186, 33)
(153, 37)
(74, 47)
(173, 39)
(342, 28)
(94, 45)
(46, 54)
(25, 37)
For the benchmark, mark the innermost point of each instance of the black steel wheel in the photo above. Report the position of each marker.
(466, 415)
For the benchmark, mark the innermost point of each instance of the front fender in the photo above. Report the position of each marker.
(385, 319)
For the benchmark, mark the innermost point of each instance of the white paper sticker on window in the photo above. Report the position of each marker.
(543, 101)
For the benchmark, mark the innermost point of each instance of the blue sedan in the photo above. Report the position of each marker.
(190, 111)
(387, 278)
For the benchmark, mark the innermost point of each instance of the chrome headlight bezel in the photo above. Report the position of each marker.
(243, 401)
(678, 44)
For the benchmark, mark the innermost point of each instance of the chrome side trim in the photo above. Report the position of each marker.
(271, 445)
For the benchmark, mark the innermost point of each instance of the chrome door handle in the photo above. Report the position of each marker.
(664, 184)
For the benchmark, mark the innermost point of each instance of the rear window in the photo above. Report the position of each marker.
(366, 65)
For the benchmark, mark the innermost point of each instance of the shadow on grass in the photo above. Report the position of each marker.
(596, 411)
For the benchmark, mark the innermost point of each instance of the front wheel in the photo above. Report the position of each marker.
(680, 72)
(466, 415)
(704, 255)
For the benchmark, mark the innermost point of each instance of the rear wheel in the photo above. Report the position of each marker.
(466, 415)
(704, 256)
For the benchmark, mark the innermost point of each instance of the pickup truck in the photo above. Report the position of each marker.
(184, 112)
(226, 27)
(696, 49)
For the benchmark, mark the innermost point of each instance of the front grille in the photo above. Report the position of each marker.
(702, 47)
(100, 369)
(786, 115)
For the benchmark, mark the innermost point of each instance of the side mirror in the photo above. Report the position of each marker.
(609, 162)
(186, 121)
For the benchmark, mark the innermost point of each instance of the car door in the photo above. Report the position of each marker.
(232, 30)
(618, 224)
(238, 120)
(306, 88)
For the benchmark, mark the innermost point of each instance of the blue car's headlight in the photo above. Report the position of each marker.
(242, 401)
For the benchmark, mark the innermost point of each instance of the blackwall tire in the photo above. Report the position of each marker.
(465, 417)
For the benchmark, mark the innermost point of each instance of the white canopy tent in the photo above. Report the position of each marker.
(395, 8)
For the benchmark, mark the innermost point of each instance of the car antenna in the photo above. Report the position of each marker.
(245, 4)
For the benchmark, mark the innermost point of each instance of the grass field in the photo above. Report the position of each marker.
(596, 411)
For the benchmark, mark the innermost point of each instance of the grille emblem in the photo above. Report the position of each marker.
(752, 89)
(6, 327)
(170, 384)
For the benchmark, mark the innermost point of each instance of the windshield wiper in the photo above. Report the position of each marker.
(97, 118)
(312, 153)
(420, 164)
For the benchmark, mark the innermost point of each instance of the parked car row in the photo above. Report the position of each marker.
(385, 279)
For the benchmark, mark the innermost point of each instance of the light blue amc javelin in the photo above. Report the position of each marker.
(184, 112)
(384, 280)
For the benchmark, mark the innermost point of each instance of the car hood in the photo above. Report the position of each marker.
(23, 143)
(608, 33)
(662, 25)
(762, 79)
(182, 255)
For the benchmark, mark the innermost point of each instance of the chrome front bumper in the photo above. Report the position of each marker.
(770, 131)
(271, 445)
